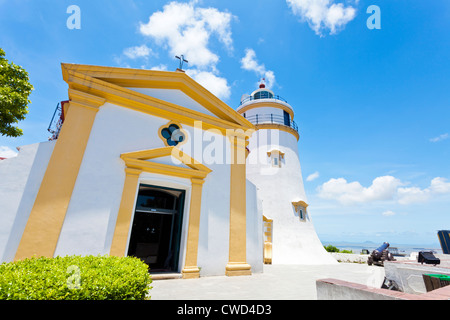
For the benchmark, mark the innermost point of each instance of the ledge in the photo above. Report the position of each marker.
(334, 289)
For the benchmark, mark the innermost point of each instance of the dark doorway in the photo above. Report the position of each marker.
(156, 232)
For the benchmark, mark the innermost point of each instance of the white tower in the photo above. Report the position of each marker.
(273, 165)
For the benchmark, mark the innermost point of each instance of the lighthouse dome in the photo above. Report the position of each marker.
(263, 108)
(262, 93)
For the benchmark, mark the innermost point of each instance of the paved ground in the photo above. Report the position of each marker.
(277, 282)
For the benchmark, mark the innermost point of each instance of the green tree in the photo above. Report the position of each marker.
(15, 89)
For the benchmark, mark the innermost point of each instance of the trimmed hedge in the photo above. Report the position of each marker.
(75, 278)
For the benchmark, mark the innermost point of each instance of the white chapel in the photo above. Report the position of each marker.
(151, 164)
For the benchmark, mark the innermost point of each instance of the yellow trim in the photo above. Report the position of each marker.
(267, 252)
(268, 126)
(115, 81)
(237, 264)
(137, 162)
(239, 142)
(443, 238)
(125, 214)
(143, 103)
(85, 99)
(281, 154)
(46, 218)
(300, 203)
(268, 232)
(190, 269)
(267, 104)
(277, 155)
(181, 129)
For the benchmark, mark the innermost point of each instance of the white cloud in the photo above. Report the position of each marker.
(413, 195)
(323, 14)
(440, 138)
(438, 186)
(186, 30)
(160, 67)
(382, 188)
(386, 188)
(388, 213)
(138, 52)
(6, 152)
(216, 85)
(250, 63)
(313, 176)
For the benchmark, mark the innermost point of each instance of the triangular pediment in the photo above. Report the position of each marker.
(183, 165)
(126, 87)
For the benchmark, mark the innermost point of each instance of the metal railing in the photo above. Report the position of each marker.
(56, 123)
(251, 98)
(272, 118)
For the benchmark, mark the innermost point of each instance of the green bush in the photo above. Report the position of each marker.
(331, 248)
(75, 278)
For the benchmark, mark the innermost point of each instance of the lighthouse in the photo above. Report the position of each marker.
(273, 166)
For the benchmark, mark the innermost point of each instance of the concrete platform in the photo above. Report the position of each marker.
(277, 282)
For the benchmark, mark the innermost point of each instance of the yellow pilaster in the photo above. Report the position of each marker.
(44, 225)
(191, 269)
(237, 263)
(126, 211)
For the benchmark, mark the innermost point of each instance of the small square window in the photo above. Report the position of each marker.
(275, 158)
(301, 210)
(302, 213)
(275, 162)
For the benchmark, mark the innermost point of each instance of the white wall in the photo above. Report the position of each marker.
(255, 229)
(265, 111)
(96, 197)
(259, 101)
(174, 96)
(20, 179)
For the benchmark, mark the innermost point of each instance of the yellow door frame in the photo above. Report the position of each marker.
(138, 162)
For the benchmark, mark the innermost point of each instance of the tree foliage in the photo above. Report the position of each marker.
(15, 90)
(331, 248)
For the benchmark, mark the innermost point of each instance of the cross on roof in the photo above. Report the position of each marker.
(182, 60)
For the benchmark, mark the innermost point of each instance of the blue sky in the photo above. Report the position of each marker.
(372, 105)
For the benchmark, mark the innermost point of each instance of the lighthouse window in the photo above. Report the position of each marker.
(275, 158)
(300, 210)
(263, 95)
(275, 162)
(301, 213)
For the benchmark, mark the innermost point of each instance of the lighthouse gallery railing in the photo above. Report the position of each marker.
(272, 118)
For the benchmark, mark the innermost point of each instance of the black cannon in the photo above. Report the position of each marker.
(379, 255)
(428, 258)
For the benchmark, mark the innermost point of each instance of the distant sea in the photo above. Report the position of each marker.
(407, 249)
